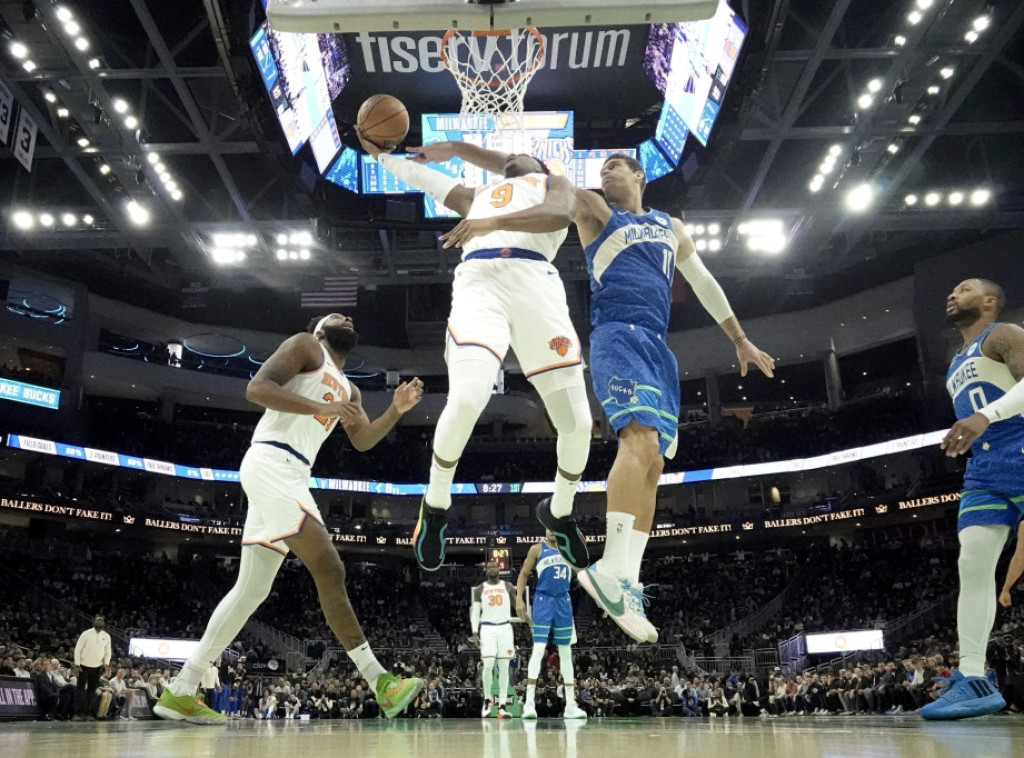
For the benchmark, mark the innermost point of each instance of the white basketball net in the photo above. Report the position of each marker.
(492, 70)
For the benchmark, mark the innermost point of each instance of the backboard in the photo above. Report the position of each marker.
(344, 16)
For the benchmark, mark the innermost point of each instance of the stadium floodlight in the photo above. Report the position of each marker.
(932, 199)
(910, 200)
(859, 198)
(23, 219)
(980, 196)
(955, 198)
(865, 101)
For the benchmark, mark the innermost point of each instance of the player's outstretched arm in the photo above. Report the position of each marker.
(1015, 569)
(709, 292)
(364, 433)
(1005, 343)
(475, 610)
(554, 213)
(440, 152)
(445, 189)
(521, 580)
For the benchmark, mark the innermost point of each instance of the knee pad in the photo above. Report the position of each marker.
(570, 413)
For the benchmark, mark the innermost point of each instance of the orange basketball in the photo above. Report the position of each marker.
(383, 120)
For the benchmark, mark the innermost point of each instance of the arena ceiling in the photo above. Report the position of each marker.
(161, 105)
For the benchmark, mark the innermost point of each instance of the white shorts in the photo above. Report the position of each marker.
(277, 485)
(501, 303)
(497, 641)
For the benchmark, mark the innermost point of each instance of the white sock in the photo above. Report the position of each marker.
(502, 681)
(531, 693)
(187, 682)
(637, 546)
(561, 500)
(367, 663)
(439, 490)
(980, 547)
(615, 561)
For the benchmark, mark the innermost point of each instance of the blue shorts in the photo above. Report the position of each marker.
(636, 377)
(552, 615)
(980, 507)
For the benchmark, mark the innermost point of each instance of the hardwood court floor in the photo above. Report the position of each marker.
(806, 737)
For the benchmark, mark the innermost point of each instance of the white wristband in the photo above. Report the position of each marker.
(434, 183)
(706, 288)
(1010, 404)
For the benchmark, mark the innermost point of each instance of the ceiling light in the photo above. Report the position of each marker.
(250, 240)
(131, 122)
(177, 195)
(835, 150)
(50, 97)
(120, 106)
(775, 243)
(83, 142)
(914, 119)
(914, 17)
(980, 196)
(171, 186)
(715, 245)
(305, 238)
(304, 254)
(932, 199)
(892, 148)
(910, 200)
(981, 23)
(900, 40)
(82, 44)
(94, 63)
(88, 219)
(946, 72)
(18, 50)
(714, 228)
(701, 245)
(874, 85)
(859, 198)
(68, 219)
(924, 4)
(104, 169)
(816, 183)
(71, 28)
(971, 36)
(826, 167)
(865, 101)
(282, 254)
(955, 198)
(699, 228)
(282, 239)
(22, 219)
(933, 90)
(63, 113)
(138, 214)
(159, 167)
(742, 228)
(63, 14)
(222, 256)
(46, 219)
(29, 66)
(153, 158)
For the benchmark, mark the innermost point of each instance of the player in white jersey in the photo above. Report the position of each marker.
(506, 294)
(490, 618)
(305, 394)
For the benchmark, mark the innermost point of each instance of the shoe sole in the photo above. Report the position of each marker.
(529, 717)
(562, 537)
(585, 582)
(406, 699)
(965, 711)
(172, 715)
(415, 546)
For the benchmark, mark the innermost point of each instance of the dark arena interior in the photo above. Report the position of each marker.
(832, 557)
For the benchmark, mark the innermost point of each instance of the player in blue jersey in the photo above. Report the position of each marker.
(986, 383)
(552, 617)
(632, 254)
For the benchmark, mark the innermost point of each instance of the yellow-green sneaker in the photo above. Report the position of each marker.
(186, 708)
(394, 694)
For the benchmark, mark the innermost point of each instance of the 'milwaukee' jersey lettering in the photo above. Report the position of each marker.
(552, 571)
(974, 381)
(631, 264)
(305, 434)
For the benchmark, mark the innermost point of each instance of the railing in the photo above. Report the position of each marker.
(754, 621)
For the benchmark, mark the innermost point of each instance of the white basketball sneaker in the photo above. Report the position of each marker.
(529, 710)
(573, 711)
(487, 709)
(610, 594)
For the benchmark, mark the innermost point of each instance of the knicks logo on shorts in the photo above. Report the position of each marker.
(622, 391)
(560, 345)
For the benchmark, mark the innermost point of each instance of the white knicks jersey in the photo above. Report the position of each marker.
(305, 434)
(507, 196)
(495, 603)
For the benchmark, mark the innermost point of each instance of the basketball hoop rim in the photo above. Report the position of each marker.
(479, 82)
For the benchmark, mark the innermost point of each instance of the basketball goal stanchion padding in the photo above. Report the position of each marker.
(492, 70)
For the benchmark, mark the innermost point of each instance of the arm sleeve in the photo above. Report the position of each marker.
(434, 183)
(106, 651)
(474, 616)
(706, 288)
(78, 651)
(1008, 405)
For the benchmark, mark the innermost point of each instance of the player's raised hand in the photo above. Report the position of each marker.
(438, 152)
(748, 352)
(959, 438)
(468, 229)
(408, 394)
(373, 149)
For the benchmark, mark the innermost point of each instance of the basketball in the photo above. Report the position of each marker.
(383, 120)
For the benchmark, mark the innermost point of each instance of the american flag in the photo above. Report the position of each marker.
(331, 292)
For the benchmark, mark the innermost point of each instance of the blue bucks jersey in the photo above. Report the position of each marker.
(974, 381)
(552, 571)
(631, 265)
